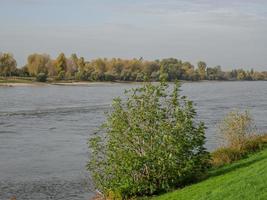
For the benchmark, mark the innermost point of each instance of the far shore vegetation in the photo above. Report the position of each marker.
(42, 68)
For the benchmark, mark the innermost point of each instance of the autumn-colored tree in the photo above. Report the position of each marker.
(7, 64)
(241, 74)
(61, 66)
(104, 69)
(202, 69)
(61, 63)
(187, 71)
(38, 63)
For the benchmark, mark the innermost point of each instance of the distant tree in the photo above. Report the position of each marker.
(116, 67)
(202, 69)
(171, 68)
(100, 66)
(233, 74)
(125, 75)
(241, 74)
(72, 65)
(103, 69)
(258, 76)
(7, 64)
(109, 77)
(135, 65)
(74, 58)
(38, 63)
(150, 67)
(188, 72)
(61, 66)
(51, 69)
(163, 75)
(215, 73)
(140, 77)
(22, 72)
(41, 77)
(85, 70)
(155, 76)
(81, 64)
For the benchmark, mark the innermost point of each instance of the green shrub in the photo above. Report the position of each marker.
(152, 144)
(237, 128)
(41, 77)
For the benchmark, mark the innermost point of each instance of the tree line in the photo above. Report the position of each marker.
(42, 66)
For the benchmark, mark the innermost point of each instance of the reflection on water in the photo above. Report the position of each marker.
(44, 130)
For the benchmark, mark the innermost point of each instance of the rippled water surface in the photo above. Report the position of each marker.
(44, 130)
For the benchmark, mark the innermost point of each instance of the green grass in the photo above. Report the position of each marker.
(243, 180)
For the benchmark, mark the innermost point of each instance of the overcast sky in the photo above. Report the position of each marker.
(230, 33)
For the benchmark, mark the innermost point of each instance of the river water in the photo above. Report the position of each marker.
(44, 131)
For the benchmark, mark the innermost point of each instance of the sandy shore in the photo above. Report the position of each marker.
(79, 83)
(18, 84)
(54, 83)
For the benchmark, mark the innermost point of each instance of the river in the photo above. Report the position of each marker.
(44, 131)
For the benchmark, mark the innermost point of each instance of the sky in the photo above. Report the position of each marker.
(230, 33)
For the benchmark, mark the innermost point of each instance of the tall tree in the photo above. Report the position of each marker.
(61, 63)
(38, 63)
(202, 69)
(241, 74)
(187, 72)
(7, 64)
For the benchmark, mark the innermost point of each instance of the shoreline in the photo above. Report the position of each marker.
(7, 84)
(88, 83)
(19, 84)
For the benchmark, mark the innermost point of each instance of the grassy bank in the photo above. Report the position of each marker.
(6, 80)
(244, 180)
(32, 80)
(17, 81)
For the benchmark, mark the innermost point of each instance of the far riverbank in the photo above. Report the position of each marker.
(30, 81)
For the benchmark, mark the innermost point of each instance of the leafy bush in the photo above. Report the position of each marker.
(152, 144)
(237, 128)
(41, 77)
